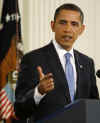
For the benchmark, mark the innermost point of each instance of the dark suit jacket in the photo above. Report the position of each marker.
(48, 59)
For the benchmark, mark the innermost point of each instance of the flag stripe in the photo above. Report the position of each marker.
(2, 97)
(8, 112)
(2, 92)
(6, 107)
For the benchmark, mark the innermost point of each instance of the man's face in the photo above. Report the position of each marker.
(67, 28)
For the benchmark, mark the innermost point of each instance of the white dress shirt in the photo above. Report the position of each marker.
(61, 53)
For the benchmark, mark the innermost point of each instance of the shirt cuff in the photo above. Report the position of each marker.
(37, 96)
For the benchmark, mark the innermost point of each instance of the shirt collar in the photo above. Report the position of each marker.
(62, 51)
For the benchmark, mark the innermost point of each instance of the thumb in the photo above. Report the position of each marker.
(40, 71)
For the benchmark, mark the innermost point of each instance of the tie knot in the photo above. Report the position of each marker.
(68, 55)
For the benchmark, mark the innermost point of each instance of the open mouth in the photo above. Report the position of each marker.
(67, 37)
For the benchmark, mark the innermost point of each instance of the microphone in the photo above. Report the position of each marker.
(98, 73)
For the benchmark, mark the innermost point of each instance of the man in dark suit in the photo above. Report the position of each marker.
(42, 87)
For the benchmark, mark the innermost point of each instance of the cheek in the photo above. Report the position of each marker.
(59, 29)
(75, 36)
(76, 33)
(58, 32)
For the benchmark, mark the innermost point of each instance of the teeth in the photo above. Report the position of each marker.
(67, 37)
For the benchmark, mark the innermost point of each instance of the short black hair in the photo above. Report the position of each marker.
(69, 6)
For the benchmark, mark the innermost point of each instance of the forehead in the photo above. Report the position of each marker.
(69, 15)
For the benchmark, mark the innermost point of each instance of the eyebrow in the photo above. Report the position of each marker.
(62, 20)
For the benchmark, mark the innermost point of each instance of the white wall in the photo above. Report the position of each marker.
(1, 3)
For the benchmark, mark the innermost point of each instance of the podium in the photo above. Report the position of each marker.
(81, 111)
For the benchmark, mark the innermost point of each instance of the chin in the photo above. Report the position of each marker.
(67, 47)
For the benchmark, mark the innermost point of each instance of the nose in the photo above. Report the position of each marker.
(68, 28)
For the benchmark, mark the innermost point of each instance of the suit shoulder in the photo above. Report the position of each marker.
(37, 53)
(84, 56)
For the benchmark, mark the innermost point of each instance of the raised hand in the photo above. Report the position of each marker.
(46, 83)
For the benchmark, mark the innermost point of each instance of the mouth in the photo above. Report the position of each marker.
(67, 37)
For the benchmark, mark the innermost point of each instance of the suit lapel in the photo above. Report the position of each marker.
(55, 67)
(79, 68)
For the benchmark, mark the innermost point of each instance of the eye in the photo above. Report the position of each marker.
(63, 22)
(75, 23)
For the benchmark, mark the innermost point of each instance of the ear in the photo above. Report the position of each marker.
(52, 25)
(82, 28)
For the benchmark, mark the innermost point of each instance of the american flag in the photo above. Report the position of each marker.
(6, 107)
